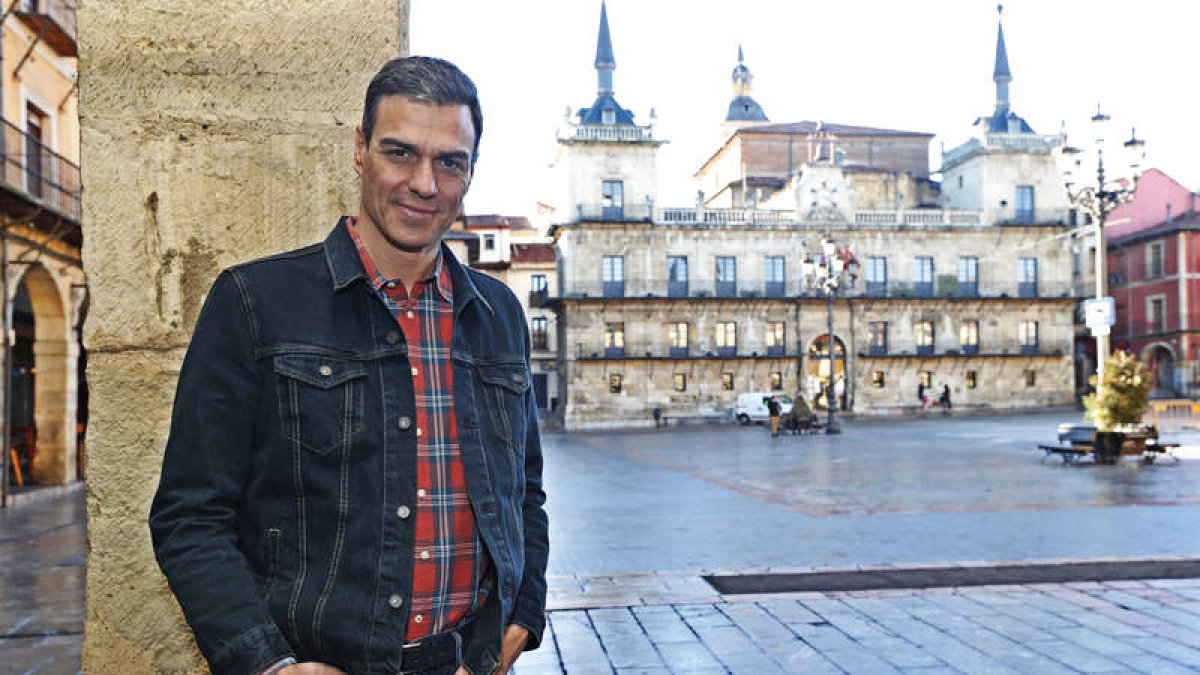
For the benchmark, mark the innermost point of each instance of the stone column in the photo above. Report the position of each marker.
(213, 131)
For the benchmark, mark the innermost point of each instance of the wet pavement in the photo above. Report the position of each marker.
(638, 518)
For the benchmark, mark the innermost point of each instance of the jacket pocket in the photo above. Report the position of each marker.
(320, 400)
(504, 387)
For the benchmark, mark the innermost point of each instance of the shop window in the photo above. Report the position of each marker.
(726, 381)
(614, 383)
(877, 379)
(680, 381)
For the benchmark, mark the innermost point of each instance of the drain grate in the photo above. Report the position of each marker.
(941, 577)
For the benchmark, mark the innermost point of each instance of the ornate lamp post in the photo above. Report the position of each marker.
(1098, 200)
(831, 269)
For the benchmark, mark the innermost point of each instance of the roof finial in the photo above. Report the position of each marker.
(740, 57)
(1000, 9)
(605, 62)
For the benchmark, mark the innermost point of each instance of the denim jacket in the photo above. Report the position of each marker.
(278, 519)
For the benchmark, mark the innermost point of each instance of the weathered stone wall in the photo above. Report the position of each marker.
(213, 132)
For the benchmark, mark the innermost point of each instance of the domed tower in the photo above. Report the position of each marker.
(743, 109)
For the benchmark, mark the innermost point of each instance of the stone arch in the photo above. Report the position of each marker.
(55, 359)
(1159, 358)
(817, 365)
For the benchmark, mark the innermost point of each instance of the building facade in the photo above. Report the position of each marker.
(40, 241)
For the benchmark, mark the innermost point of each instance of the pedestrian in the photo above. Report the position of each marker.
(944, 399)
(773, 409)
(922, 397)
(338, 494)
(657, 412)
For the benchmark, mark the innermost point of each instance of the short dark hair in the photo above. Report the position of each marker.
(425, 79)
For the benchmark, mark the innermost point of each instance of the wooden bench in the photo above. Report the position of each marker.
(1069, 453)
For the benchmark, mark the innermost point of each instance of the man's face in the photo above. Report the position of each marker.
(415, 171)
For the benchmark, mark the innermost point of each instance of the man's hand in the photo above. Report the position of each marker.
(513, 644)
(311, 668)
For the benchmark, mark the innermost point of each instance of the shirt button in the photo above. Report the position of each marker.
(421, 492)
(409, 314)
(416, 371)
(392, 337)
(403, 512)
(424, 555)
(395, 601)
(418, 618)
(390, 284)
(325, 371)
(405, 421)
(418, 431)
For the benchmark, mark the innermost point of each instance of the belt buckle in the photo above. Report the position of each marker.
(417, 656)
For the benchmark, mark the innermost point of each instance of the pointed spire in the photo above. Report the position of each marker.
(1001, 75)
(741, 58)
(743, 108)
(605, 62)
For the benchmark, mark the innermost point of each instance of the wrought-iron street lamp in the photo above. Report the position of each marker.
(830, 270)
(1098, 200)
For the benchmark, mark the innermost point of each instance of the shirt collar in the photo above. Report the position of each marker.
(438, 278)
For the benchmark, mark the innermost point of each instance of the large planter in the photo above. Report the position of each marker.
(1106, 446)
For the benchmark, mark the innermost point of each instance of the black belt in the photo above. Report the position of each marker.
(438, 650)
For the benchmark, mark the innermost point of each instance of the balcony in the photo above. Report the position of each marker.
(1155, 326)
(37, 178)
(53, 21)
(664, 351)
(705, 217)
(612, 134)
(745, 289)
(1011, 349)
(539, 298)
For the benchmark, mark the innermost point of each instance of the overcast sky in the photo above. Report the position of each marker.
(920, 65)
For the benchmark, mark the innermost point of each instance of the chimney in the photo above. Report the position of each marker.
(1168, 212)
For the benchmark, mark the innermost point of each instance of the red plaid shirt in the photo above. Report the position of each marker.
(449, 561)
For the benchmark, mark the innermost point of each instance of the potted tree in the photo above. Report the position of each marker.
(1117, 410)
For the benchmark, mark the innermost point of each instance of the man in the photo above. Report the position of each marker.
(773, 410)
(352, 482)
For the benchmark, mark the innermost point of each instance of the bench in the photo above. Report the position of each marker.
(1155, 450)
(1069, 453)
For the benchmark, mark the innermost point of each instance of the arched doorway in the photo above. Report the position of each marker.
(817, 370)
(1160, 360)
(42, 407)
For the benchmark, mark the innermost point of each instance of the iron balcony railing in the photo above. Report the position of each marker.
(54, 20)
(984, 348)
(913, 219)
(39, 173)
(793, 289)
(1142, 327)
(661, 349)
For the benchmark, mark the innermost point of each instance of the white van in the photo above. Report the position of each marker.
(752, 406)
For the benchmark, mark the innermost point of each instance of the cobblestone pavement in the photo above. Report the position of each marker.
(638, 517)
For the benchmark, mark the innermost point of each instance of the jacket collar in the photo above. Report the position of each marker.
(345, 267)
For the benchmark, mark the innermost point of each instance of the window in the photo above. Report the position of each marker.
(680, 381)
(776, 338)
(1030, 378)
(726, 338)
(489, 242)
(877, 379)
(1154, 260)
(776, 381)
(35, 149)
(678, 338)
(968, 277)
(608, 116)
(612, 199)
(927, 378)
(1024, 205)
(1076, 262)
(614, 276)
(727, 381)
(726, 276)
(1156, 314)
(1028, 332)
(923, 332)
(614, 383)
(539, 290)
(538, 329)
(1027, 277)
(614, 340)
(876, 275)
(923, 277)
(971, 379)
(877, 336)
(968, 336)
(773, 276)
(677, 276)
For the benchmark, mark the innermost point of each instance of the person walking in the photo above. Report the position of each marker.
(923, 397)
(944, 398)
(773, 409)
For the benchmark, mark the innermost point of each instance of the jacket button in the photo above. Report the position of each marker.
(405, 422)
(325, 371)
(403, 512)
(395, 601)
(516, 378)
(392, 337)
